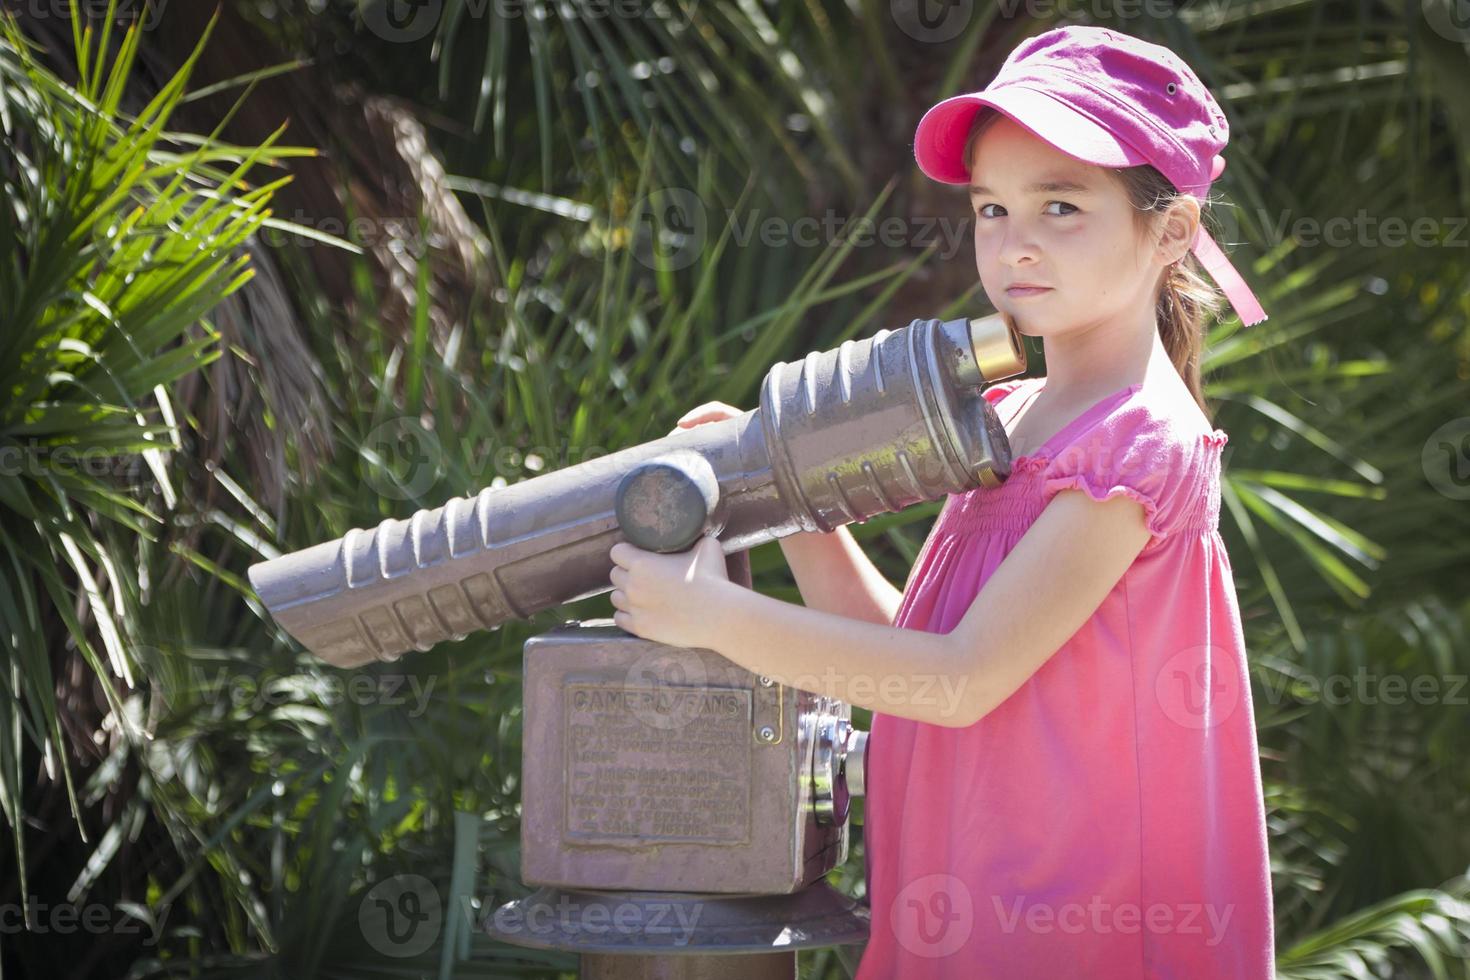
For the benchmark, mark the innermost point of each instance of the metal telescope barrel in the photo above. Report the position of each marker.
(870, 427)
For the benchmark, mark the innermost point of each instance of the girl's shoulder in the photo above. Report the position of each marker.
(1152, 443)
(1160, 412)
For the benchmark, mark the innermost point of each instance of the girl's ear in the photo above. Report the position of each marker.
(1181, 227)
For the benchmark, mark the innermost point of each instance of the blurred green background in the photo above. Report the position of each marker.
(273, 269)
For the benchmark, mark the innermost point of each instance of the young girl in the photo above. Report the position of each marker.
(1087, 801)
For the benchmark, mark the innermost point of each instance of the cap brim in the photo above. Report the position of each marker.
(939, 141)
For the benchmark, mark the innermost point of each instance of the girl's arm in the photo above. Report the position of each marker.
(1045, 589)
(835, 576)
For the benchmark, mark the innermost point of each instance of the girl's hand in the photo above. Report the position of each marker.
(708, 412)
(668, 598)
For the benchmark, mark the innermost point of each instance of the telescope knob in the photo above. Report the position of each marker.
(855, 763)
(665, 504)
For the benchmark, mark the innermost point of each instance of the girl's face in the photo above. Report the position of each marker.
(1044, 217)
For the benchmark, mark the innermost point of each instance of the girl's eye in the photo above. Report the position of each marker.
(981, 209)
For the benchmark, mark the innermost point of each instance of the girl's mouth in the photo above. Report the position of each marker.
(1021, 292)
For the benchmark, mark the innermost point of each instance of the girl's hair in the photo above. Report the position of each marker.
(1186, 298)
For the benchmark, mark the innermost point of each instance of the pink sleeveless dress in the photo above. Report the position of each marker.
(1106, 821)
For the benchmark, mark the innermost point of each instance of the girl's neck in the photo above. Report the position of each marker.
(1096, 361)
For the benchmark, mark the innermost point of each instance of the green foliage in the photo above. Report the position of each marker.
(114, 251)
(266, 802)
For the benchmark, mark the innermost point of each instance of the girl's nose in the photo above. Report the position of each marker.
(1017, 245)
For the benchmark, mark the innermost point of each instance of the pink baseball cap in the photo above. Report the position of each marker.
(1108, 99)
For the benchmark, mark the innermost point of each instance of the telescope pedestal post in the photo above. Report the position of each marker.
(761, 966)
(682, 935)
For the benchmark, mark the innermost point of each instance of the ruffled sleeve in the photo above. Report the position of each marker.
(1148, 456)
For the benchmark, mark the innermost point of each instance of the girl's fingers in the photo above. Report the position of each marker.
(695, 412)
(709, 412)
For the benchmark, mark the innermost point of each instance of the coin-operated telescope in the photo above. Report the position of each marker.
(676, 808)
